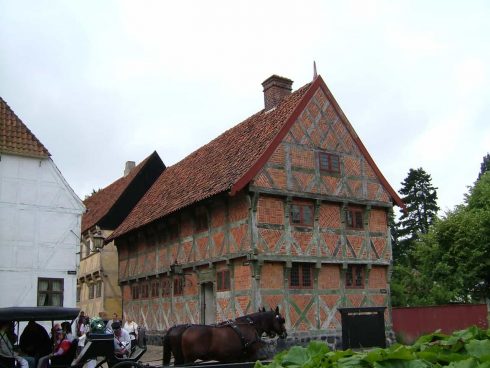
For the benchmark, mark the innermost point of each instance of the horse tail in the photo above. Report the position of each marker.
(167, 348)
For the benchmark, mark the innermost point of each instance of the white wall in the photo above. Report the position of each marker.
(40, 219)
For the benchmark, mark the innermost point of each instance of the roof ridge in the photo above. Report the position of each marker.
(227, 131)
(214, 167)
(109, 195)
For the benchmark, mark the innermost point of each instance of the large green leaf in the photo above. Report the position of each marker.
(432, 350)
(442, 357)
(317, 347)
(353, 361)
(425, 339)
(394, 363)
(295, 357)
(466, 363)
(479, 349)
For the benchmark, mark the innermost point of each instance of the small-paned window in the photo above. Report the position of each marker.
(301, 276)
(98, 289)
(155, 289)
(144, 291)
(178, 286)
(50, 292)
(302, 214)
(135, 291)
(84, 248)
(354, 219)
(223, 280)
(166, 287)
(329, 162)
(79, 293)
(201, 220)
(91, 290)
(354, 276)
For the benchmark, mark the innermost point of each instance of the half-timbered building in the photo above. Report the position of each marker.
(285, 209)
(40, 217)
(98, 287)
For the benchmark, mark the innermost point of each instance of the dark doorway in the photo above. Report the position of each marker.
(208, 303)
(363, 327)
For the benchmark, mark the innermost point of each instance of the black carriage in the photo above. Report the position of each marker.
(98, 347)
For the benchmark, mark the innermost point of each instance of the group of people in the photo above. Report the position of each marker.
(125, 335)
(36, 344)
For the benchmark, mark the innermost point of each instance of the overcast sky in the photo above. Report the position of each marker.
(104, 82)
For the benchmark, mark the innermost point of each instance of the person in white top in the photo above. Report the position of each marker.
(132, 328)
(66, 326)
(122, 341)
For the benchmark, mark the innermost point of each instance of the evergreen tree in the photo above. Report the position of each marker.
(420, 198)
(395, 244)
(485, 166)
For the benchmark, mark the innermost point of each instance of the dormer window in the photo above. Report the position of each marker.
(329, 162)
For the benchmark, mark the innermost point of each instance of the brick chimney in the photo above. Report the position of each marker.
(275, 89)
(129, 166)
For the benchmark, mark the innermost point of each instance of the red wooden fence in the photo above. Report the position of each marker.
(411, 322)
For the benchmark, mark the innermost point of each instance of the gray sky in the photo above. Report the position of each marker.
(104, 82)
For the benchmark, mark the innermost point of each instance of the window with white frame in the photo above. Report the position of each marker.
(50, 292)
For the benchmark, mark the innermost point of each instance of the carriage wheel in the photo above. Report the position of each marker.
(127, 364)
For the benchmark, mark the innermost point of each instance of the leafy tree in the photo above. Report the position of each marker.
(464, 238)
(416, 283)
(420, 198)
(451, 263)
(91, 194)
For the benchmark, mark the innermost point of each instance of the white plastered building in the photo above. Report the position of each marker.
(40, 219)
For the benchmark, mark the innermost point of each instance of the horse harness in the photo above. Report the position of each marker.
(245, 343)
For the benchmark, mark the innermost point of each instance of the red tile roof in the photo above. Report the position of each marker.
(100, 203)
(213, 168)
(230, 161)
(15, 137)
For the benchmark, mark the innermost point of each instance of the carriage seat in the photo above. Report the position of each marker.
(96, 345)
(66, 359)
(137, 353)
(7, 362)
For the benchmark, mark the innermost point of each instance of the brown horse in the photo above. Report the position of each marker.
(172, 339)
(172, 344)
(231, 342)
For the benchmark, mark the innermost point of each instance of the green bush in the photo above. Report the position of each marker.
(468, 348)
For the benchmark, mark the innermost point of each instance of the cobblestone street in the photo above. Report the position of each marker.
(153, 355)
